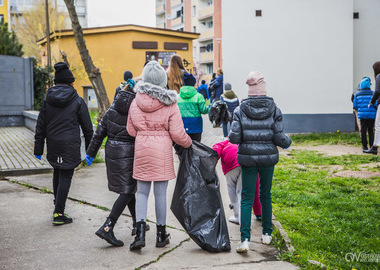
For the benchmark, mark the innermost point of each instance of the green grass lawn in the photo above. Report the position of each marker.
(327, 217)
(327, 138)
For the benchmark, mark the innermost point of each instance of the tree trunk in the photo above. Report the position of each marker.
(92, 71)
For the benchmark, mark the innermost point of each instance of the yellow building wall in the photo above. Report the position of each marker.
(113, 53)
(4, 10)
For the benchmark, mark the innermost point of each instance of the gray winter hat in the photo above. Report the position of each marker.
(227, 86)
(155, 74)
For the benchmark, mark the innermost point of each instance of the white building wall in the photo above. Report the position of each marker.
(366, 39)
(303, 48)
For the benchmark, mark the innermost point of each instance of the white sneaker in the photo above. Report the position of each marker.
(234, 219)
(243, 247)
(266, 239)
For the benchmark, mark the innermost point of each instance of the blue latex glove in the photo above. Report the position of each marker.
(89, 160)
(38, 157)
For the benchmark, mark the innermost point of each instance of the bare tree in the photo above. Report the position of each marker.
(92, 71)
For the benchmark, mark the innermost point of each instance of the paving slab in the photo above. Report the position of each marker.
(30, 241)
(17, 152)
(89, 184)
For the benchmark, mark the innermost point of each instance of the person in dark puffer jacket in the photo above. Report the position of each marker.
(119, 151)
(366, 114)
(258, 129)
(62, 114)
(232, 101)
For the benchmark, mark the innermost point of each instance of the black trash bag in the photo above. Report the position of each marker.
(219, 113)
(197, 203)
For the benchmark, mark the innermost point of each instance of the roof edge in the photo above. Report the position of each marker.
(117, 28)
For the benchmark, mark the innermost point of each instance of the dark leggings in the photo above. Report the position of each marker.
(367, 126)
(61, 186)
(120, 204)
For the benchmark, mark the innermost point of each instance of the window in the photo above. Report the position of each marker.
(1, 17)
(209, 68)
(178, 14)
(195, 52)
(194, 29)
(1, 4)
(194, 10)
(209, 3)
(356, 15)
(259, 13)
(210, 24)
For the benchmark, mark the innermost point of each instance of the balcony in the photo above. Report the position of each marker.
(176, 3)
(207, 57)
(206, 13)
(160, 9)
(177, 21)
(207, 34)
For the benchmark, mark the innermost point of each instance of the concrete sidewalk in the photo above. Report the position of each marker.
(30, 241)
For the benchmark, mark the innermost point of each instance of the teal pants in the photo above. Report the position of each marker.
(249, 177)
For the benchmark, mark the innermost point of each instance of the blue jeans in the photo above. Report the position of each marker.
(226, 128)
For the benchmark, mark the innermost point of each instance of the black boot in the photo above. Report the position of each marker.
(162, 237)
(106, 232)
(134, 230)
(372, 150)
(140, 236)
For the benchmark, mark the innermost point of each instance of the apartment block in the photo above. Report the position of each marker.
(199, 16)
(4, 10)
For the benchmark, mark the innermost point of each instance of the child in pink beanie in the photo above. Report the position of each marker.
(227, 152)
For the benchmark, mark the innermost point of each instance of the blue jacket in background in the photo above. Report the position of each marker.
(361, 101)
(231, 99)
(202, 89)
(218, 86)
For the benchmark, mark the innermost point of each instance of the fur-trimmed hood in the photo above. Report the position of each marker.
(151, 97)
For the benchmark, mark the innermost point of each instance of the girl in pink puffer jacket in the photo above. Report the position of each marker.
(155, 120)
(227, 152)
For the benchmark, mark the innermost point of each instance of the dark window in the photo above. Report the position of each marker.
(258, 13)
(356, 15)
(144, 45)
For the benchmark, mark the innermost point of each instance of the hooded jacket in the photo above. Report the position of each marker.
(361, 101)
(231, 99)
(155, 121)
(192, 105)
(203, 90)
(258, 129)
(120, 146)
(62, 114)
(227, 152)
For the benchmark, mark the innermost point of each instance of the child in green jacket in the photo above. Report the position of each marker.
(192, 106)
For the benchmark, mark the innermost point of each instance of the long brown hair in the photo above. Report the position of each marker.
(376, 68)
(175, 74)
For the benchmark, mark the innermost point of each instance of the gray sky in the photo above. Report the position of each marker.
(117, 12)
